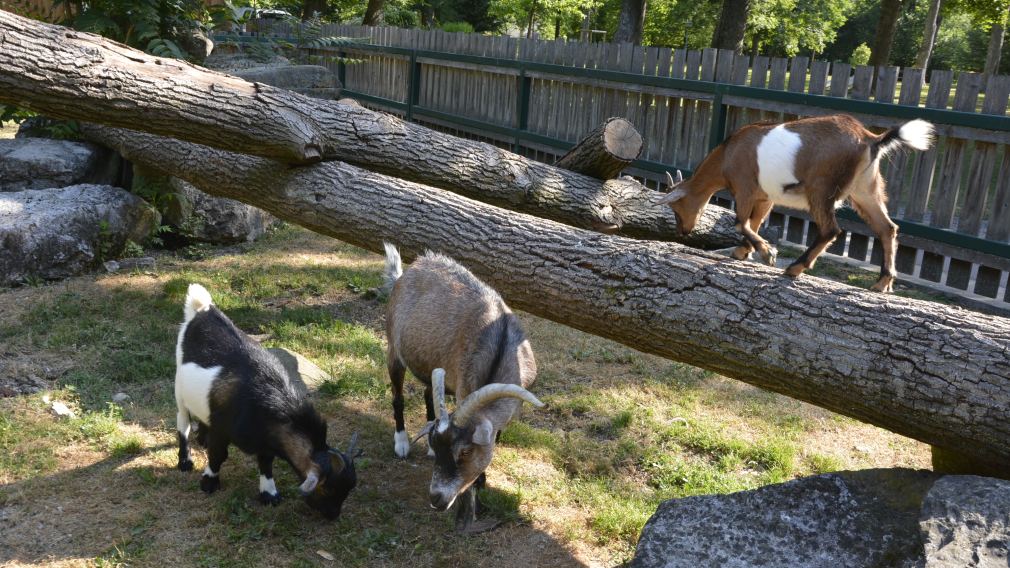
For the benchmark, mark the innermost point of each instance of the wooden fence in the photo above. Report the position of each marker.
(952, 202)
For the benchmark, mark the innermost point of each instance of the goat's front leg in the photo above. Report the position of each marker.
(268, 489)
(182, 424)
(828, 230)
(217, 452)
(401, 441)
(749, 216)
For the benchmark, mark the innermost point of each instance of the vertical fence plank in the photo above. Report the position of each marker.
(658, 136)
(965, 98)
(840, 80)
(685, 139)
(897, 174)
(861, 81)
(818, 77)
(983, 161)
(925, 162)
(887, 80)
(999, 225)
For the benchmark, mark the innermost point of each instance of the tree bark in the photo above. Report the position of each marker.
(883, 38)
(68, 74)
(312, 7)
(732, 25)
(995, 50)
(929, 34)
(604, 152)
(630, 22)
(373, 13)
(921, 369)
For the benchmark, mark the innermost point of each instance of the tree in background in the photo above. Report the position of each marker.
(631, 21)
(787, 27)
(373, 13)
(549, 18)
(732, 25)
(929, 33)
(883, 37)
(989, 15)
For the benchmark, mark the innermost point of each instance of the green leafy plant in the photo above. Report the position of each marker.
(860, 55)
(464, 27)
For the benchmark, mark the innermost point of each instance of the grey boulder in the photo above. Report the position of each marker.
(216, 220)
(965, 522)
(39, 163)
(862, 518)
(56, 233)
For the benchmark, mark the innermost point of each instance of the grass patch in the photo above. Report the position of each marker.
(577, 480)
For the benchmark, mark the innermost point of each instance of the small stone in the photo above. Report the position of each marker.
(62, 409)
(111, 266)
(137, 262)
(325, 555)
(120, 397)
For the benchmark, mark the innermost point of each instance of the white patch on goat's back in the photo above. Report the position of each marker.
(401, 444)
(192, 389)
(776, 162)
(267, 485)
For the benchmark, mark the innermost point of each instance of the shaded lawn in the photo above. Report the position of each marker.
(576, 481)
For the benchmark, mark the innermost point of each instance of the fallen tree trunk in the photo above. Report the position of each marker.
(75, 75)
(604, 152)
(925, 370)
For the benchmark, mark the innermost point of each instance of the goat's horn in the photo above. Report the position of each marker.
(669, 179)
(438, 392)
(309, 485)
(350, 446)
(424, 431)
(488, 394)
(680, 176)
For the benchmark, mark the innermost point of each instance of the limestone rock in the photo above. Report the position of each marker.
(217, 220)
(56, 233)
(40, 163)
(862, 518)
(965, 522)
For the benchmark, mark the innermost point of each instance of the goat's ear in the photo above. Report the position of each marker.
(483, 433)
(309, 485)
(671, 197)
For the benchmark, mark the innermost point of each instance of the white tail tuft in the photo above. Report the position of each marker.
(917, 134)
(197, 300)
(394, 266)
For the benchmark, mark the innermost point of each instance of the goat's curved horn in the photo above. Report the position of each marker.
(309, 485)
(488, 394)
(669, 179)
(671, 197)
(351, 446)
(424, 431)
(438, 393)
(680, 176)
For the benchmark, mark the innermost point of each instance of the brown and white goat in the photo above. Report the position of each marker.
(455, 334)
(812, 164)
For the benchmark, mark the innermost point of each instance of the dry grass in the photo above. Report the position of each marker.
(621, 432)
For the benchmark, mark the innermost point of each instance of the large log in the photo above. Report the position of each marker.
(933, 372)
(74, 75)
(606, 151)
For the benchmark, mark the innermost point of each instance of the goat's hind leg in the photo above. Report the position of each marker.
(217, 452)
(873, 210)
(823, 212)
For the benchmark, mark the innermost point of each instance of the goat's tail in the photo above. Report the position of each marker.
(394, 267)
(197, 300)
(916, 134)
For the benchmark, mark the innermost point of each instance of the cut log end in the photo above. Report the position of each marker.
(606, 151)
(621, 139)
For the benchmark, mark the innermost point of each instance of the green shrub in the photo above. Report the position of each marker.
(464, 27)
(860, 55)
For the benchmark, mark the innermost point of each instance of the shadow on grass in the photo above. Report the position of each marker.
(140, 510)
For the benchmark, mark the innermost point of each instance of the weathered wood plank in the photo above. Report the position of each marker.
(945, 207)
(925, 162)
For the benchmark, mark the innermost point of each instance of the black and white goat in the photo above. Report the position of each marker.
(455, 334)
(239, 393)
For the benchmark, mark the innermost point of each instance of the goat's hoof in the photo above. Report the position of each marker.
(431, 452)
(210, 484)
(401, 444)
(270, 498)
(883, 286)
(740, 253)
(185, 465)
(770, 257)
(795, 270)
